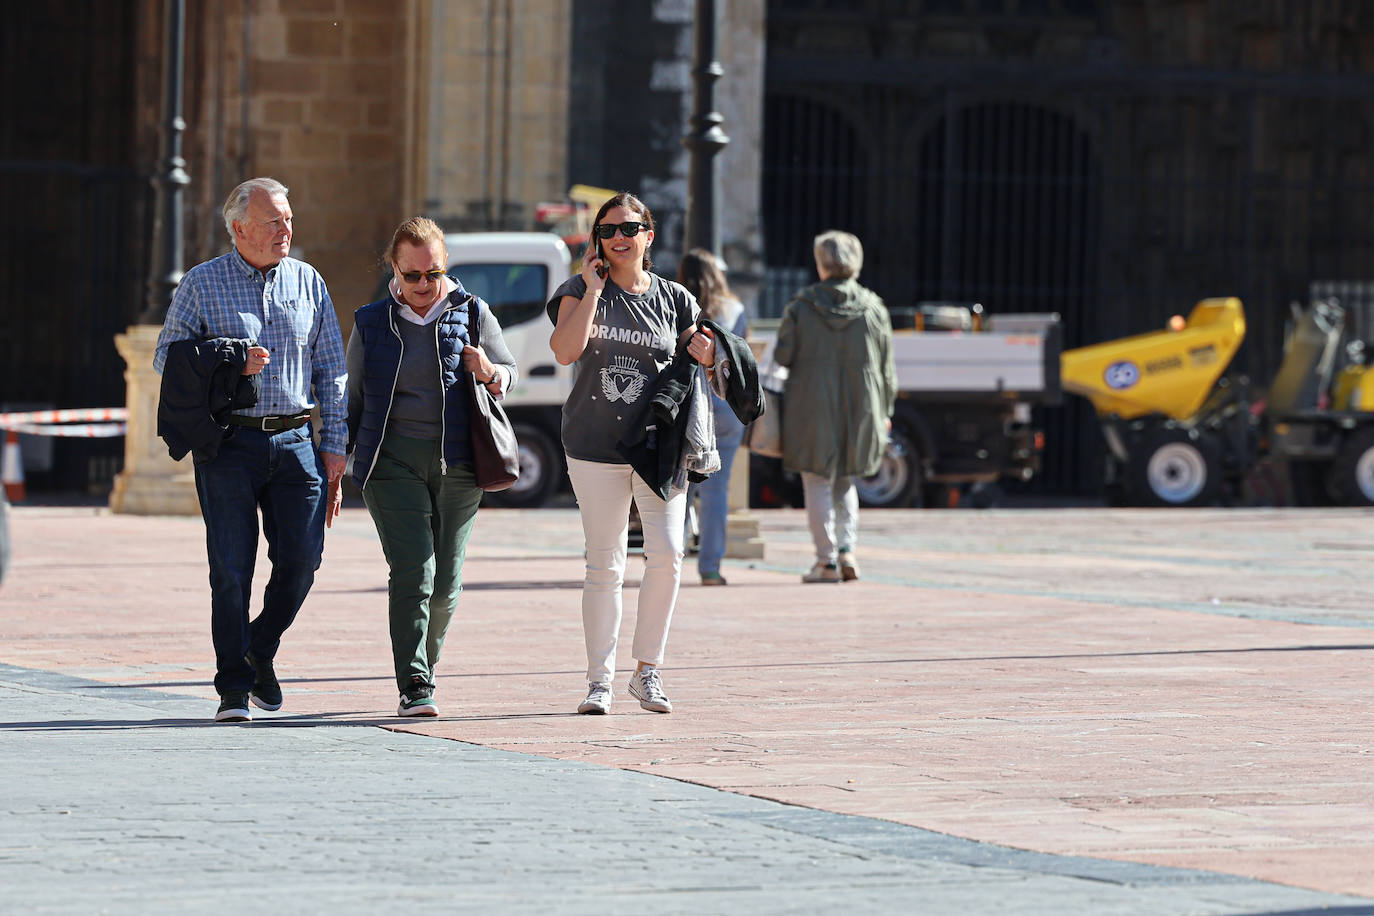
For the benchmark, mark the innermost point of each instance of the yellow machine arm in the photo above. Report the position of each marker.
(1169, 372)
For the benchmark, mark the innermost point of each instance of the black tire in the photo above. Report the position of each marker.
(899, 481)
(1175, 468)
(541, 471)
(1352, 473)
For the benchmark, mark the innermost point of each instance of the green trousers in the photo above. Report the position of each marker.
(424, 519)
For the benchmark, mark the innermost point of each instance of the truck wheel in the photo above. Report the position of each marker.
(1352, 473)
(1174, 468)
(541, 471)
(897, 484)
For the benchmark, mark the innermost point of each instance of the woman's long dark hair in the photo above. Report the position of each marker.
(700, 272)
(629, 202)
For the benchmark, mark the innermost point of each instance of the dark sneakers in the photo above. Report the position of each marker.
(266, 690)
(417, 699)
(233, 707)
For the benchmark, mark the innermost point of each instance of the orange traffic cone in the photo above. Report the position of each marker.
(13, 468)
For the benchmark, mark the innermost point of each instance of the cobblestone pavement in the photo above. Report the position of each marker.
(1082, 711)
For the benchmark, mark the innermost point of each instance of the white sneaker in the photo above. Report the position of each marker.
(646, 686)
(598, 701)
(822, 572)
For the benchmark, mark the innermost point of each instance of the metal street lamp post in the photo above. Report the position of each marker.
(174, 178)
(705, 138)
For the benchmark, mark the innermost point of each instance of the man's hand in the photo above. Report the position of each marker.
(258, 358)
(334, 502)
(334, 466)
(334, 469)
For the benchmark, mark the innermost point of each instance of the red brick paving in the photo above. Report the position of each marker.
(1048, 680)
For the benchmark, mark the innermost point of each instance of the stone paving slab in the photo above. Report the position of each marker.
(1174, 688)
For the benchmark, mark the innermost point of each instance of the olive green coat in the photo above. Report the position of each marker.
(836, 340)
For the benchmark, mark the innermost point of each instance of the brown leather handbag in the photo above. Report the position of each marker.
(495, 451)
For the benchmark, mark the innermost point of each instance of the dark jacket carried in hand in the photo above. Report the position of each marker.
(739, 376)
(654, 448)
(653, 444)
(202, 384)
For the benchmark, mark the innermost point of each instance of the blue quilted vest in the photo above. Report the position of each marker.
(382, 361)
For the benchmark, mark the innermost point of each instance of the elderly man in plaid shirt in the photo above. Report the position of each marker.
(268, 462)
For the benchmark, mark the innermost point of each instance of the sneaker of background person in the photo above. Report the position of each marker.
(418, 699)
(266, 689)
(646, 686)
(822, 572)
(598, 701)
(713, 578)
(233, 707)
(849, 567)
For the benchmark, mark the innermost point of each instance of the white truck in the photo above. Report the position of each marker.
(966, 388)
(967, 384)
(516, 273)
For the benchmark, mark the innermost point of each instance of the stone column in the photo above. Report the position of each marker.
(742, 539)
(151, 482)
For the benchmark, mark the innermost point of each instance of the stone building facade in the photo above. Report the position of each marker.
(1113, 160)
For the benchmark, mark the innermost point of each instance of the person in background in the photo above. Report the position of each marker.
(700, 273)
(268, 462)
(409, 360)
(622, 329)
(836, 341)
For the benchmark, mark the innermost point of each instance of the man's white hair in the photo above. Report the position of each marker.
(236, 204)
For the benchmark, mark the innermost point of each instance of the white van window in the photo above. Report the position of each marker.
(515, 292)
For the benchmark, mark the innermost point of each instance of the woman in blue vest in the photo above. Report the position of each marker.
(409, 360)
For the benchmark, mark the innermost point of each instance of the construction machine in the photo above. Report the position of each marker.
(1180, 432)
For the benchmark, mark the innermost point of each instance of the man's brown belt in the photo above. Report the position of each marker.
(271, 424)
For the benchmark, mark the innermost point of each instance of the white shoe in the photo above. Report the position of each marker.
(598, 701)
(822, 572)
(646, 686)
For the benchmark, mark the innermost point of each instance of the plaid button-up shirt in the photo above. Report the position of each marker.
(289, 312)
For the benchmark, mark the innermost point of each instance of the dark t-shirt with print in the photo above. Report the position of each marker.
(633, 339)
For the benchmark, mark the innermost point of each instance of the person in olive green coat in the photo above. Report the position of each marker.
(836, 341)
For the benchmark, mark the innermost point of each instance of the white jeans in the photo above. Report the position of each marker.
(832, 511)
(603, 494)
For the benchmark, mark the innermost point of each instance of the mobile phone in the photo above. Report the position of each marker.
(602, 270)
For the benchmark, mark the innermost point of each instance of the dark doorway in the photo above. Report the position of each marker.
(72, 250)
(1007, 209)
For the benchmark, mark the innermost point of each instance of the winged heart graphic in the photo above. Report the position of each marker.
(619, 385)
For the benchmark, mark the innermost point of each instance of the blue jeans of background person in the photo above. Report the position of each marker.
(282, 474)
(714, 506)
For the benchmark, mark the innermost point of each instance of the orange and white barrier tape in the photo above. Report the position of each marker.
(81, 422)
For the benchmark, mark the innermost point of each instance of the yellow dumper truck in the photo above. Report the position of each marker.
(1180, 433)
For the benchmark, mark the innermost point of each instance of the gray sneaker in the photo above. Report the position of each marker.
(646, 686)
(822, 572)
(598, 701)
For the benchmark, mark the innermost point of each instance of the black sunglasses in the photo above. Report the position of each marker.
(413, 276)
(629, 230)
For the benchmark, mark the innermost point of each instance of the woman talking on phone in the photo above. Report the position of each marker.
(622, 325)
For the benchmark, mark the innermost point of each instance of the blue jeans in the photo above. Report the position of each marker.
(281, 474)
(714, 493)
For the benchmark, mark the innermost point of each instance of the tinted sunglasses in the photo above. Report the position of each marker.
(413, 276)
(629, 230)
